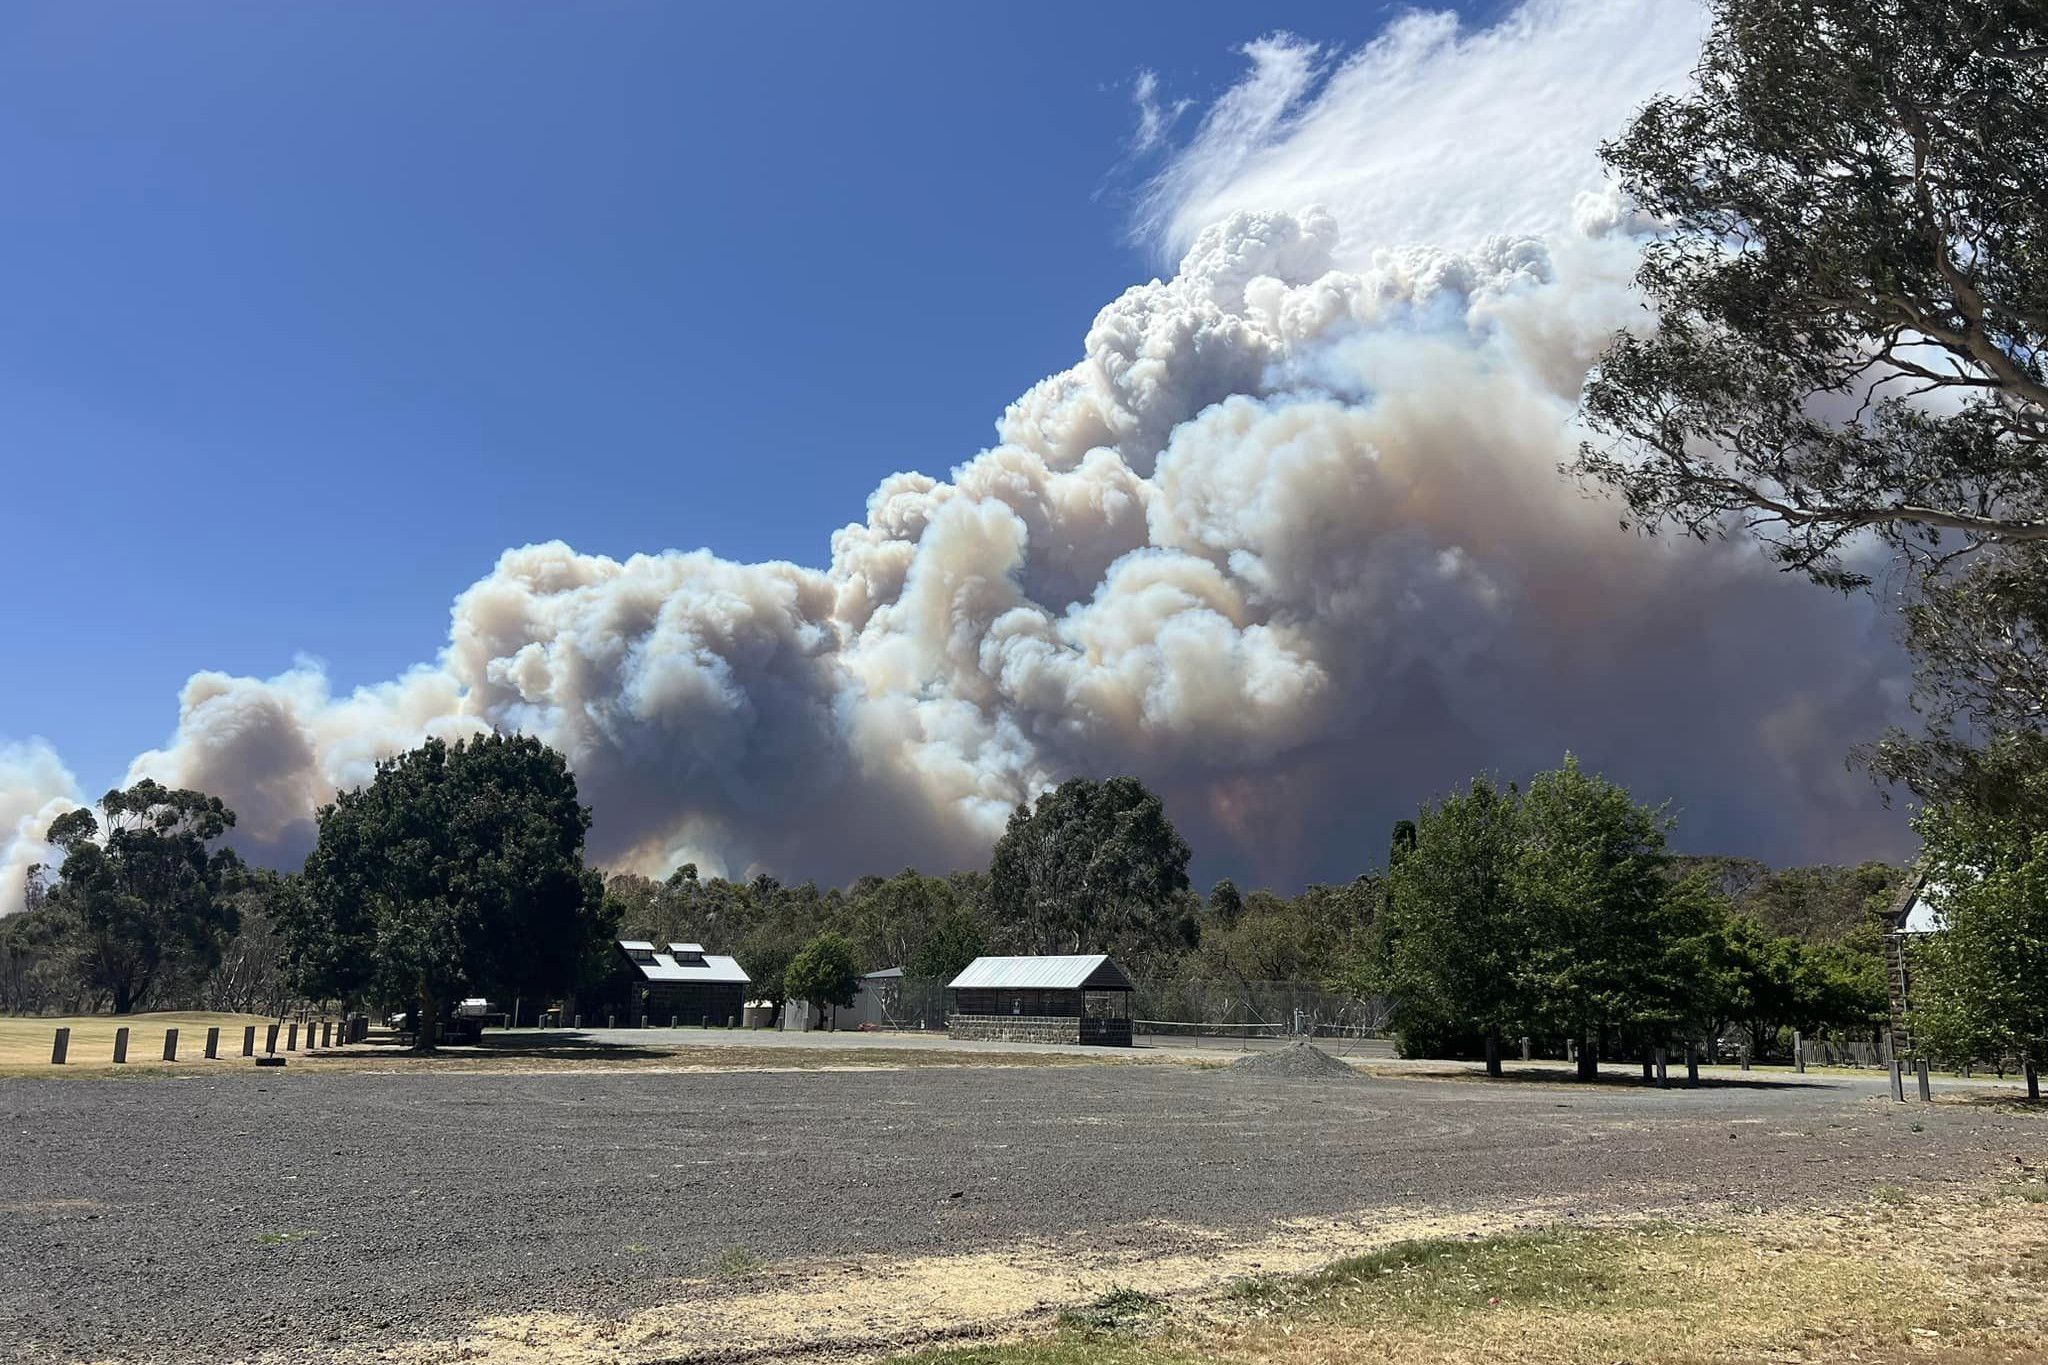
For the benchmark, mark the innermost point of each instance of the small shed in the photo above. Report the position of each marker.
(1084, 998)
(683, 983)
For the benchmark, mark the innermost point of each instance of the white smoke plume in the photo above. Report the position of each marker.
(35, 788)
(1288, 542)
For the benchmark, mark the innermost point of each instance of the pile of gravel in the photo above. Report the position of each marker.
(1302, 1062)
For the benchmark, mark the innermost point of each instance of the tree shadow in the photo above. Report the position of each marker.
(1612, 1076)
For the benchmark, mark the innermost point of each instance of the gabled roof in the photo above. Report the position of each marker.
(655, 964)
(1910, 912)
(1088, 971)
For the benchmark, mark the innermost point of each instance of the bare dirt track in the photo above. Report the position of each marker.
(314, 1217)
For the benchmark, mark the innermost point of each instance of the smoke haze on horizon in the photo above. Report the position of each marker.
(1287, 542)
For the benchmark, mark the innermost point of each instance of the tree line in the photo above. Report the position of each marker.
(459, 869)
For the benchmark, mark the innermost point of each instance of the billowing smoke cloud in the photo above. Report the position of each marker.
(1287, 541)
(35, 788)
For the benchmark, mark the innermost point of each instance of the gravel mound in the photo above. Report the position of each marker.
(1302, 1062)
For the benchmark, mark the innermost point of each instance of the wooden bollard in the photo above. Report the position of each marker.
(120, 1044)
(1663, 1075)
(1898, 1081)
(611, 1021)
(60, 1049)
(326, 1032)
(579, 1021)
(1692, 1065)
(731, 1022)
(291, 1039)
(1798, 1052)
(675, 1020)
(1920, 1074)
(270, 1041)
(249, 1041)
(212, 1044)
(170, 1045)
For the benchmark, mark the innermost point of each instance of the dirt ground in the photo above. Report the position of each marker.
(636, 1215)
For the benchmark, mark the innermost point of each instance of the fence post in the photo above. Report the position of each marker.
(60, 1049)
(1898, 1081)
(121, 1044)
(170, 1045)
(212, 1044)
(1920, 1073)
(1798, 1052)
(270, 1041)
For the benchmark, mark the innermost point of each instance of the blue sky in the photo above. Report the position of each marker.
(313, 309)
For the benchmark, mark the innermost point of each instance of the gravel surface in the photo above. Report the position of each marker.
(1301, 1062)
(231, 1215)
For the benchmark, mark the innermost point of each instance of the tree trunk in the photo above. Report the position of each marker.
(1492, 1056)
(1589, 1058)
(124, 1002)
(1649, 1064)
(427, 1028)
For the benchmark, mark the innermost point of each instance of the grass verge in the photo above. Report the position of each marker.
(1924, 1279)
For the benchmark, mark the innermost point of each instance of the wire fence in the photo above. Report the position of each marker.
(1192, 1009)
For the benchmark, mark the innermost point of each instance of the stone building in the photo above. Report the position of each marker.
(1077, 999)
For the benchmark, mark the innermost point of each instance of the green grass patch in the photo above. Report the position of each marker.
(1425, 1279)
(734, 1262)
(1120, 1310)
(278, 1239)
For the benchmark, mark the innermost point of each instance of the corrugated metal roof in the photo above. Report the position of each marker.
(886, 973)
(1042, 974)
(655, 965)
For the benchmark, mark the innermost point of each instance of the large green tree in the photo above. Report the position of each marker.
(457, 868)
(1095, 866)
(1455, 929)
(1851, 301)
(823, 973)
(141, 899)
(1980, 987)
(1611, 941)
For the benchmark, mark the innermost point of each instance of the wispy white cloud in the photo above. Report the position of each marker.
(1432, 133)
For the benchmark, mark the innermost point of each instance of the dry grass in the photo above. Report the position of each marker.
(1919, 1278)
(25, 1052)
(25, 1041)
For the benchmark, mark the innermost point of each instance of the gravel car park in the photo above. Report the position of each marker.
(290, 1216)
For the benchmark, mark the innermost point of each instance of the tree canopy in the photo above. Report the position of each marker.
(458, 867)
(1980, 987)
(824, 973)
(1095, 866)
(1851, 301)
(142, 894)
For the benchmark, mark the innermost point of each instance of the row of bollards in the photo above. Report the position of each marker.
(60, 1049)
